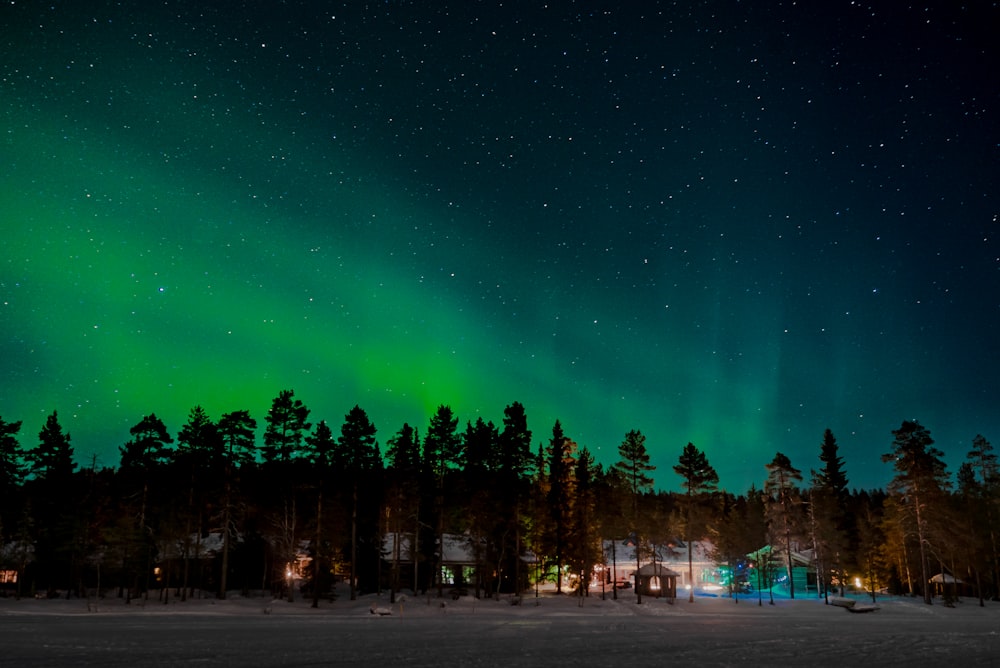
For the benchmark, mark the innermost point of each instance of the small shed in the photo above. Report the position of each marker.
(948, 586)
(657, 580)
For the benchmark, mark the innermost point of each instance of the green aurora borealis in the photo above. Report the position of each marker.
(733, 227)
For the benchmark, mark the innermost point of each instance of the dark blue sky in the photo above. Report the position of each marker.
(735, 224)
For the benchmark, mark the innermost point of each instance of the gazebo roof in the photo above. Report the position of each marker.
(658, 570)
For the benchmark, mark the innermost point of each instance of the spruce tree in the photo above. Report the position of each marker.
(52, 460)
(12, 470)
(828, 513)
(198, 456)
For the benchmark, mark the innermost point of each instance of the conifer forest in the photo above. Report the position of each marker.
(322, 510)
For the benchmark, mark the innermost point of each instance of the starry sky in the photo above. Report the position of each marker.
(730, 223)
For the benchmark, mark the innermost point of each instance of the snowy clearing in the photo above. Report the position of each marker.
(548, 631)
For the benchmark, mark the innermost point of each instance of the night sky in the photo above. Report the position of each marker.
(733, 223)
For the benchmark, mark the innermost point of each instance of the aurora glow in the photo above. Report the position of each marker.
(732, 225)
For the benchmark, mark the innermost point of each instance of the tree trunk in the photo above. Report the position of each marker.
(638, 578)
(614, 569)
(316, 555)
(225, 541)
(354, 541)
(924, 580)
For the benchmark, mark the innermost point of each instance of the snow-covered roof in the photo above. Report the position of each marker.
(659, 570)
(458, 548)
(623, 550)
(204, 547)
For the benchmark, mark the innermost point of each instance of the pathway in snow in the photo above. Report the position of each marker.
(555, 632)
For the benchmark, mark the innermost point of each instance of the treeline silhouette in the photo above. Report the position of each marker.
(308, 511)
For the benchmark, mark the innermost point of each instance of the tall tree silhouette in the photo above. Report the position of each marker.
(584, 541)
(403, 491)
(699, 479)
(198, 456)
(781, 490)
(359, 452)
(828, 513)
(514, 463)
(236, 431)
(287, 424)
(12, 471)
(561, 459)
(52, 460)
(919, 484)
(286, 427)
(142, 460)
(480, 461)
(633, 464)
(322, 451)
(441, 456)
(983, 462)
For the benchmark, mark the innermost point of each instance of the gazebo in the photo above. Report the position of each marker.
(655, 579)
(946, 584)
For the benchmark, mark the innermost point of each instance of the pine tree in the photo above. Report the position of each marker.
(781, 490)
(286, 427)
(967, 535)
(362, 461)
(983, 462)
(514, 463)
(282, 451)
(142, 460)
(732, 538)
(480, 461)
(870, 540)
(699, 479)
(403, 477)
(584, 543)
(612, 500)
(441, 457)
(919, 484)
(236, 430)
(321, 452)
(634, 466)
(756, 535)
(561, 492)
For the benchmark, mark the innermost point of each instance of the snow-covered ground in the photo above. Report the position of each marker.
(549, 631)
